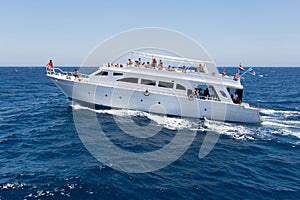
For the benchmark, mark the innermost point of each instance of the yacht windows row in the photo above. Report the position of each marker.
(149, 82)
(211, 93)
(163, 84)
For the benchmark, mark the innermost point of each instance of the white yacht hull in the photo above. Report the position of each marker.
(98, 96)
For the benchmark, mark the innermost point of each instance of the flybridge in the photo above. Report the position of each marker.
(167, 63)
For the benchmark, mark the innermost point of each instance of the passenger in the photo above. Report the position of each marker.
(153, 63)
(160, 65)
(206, 93)
(239, 92)
(50, 65)
(136, 63)
(68, 75)
(195, 91)
(235, 98)
(223, 73)
(130, 63)
(148, 65)
(200, 92)
(76, 73)
(201, 68)
(184, 69)
(236, 77)
(140, 61)
(169, 68)
(121, 65)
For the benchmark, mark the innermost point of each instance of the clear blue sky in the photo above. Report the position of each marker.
(256, 32)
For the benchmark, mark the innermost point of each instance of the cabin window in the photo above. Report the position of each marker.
(180, 87)
(117, 74)
(102, 73)
(129, 80)
(189, 92)
(148, 82)
(236, 94)
(223, 93)
(165, 84)
(213, 93)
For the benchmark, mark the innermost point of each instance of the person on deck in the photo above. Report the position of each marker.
(206, 93)
(153, 63)
(235, 98)
(200, 68)
(223, 73)
(199, 93)
(236, 77)
(130, 62)
(160, 65)
(147, 65)
(68, 75)
(50, 65)
(76, 73)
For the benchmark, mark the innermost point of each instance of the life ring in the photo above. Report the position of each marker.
(146, 93)
(191, 97)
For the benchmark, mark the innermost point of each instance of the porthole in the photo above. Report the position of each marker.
(146, 93)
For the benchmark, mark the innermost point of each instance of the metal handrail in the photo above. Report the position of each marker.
(58, 71)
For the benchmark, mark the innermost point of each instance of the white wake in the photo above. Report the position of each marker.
(274, 122)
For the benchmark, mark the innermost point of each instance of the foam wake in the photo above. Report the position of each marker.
(173, 123)
(274, 123)
(282, 122)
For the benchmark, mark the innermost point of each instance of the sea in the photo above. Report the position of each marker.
(43, 156)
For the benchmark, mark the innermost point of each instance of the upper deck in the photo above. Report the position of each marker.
(161, 74)
(170, 67)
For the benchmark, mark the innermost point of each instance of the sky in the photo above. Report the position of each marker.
(254, 33)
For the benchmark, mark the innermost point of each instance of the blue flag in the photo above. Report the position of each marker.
(251, 71)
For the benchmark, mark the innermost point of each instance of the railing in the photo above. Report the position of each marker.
(56, 71)
(183, 69)
(210, 98)
(59, 72)
(188, 70)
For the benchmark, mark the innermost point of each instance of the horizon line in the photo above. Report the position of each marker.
(99, 65)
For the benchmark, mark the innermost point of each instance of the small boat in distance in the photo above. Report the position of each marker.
(192, 88)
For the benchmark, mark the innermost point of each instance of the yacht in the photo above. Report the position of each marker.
(184, 88)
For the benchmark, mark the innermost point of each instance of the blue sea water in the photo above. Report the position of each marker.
(42, 156)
